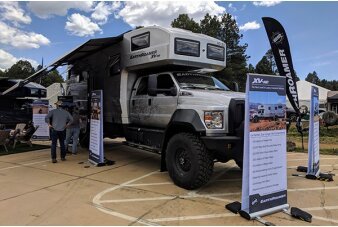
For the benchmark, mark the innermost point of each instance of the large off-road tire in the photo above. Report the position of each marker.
(190, 164)
(239, 149)
(255, 119)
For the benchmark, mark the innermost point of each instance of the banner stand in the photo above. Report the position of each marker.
(264, 178)
(322, 176)
(294, 212)
(313, 170)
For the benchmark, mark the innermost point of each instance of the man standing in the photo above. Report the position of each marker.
(58, 120)
(73, 131)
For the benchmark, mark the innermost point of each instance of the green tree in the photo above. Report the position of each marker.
(264, 66)
(50, 78)
(185, 22)
(251, 69)
(2, 73)
(226, 29)
(313, 78)
(20, 70)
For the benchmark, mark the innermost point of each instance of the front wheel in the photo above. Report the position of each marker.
(190, 164)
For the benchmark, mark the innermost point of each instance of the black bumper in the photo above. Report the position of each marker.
(220, 143)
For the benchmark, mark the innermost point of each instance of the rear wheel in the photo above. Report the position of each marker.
(190, 164)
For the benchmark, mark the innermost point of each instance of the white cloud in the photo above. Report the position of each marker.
(103, 10)
(7, 60)
(11, 11)
(21, 39)
(266, 3)
(80, 25)
(230, 6)
(48, 9)
(249, 26)
(161, 13)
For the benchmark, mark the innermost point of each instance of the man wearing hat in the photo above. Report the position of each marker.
(58, 120)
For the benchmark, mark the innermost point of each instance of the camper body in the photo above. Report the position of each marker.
(268, 111)
(154, 96)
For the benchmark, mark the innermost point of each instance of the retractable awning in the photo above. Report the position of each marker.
(90, 47)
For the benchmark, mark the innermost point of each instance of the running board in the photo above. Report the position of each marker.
(143, 147)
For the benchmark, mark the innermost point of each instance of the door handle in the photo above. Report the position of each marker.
(149, 102)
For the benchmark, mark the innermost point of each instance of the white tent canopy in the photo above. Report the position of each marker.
(304, 93)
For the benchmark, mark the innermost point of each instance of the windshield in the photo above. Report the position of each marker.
(199, 81)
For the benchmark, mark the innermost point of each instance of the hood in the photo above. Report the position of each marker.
(209, 97)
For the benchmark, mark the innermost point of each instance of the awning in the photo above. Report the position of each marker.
(90, 47)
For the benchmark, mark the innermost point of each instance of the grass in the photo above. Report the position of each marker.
(20, 148)
(328, 139)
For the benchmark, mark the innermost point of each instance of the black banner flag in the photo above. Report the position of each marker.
(281, 51)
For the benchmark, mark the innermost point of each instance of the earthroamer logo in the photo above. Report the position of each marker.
(260, 81)
(277, 37)
(292, 85)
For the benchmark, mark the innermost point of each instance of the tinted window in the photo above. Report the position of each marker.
(164, 81)
(140, 41)
(215, 52)
(142, 88)
(187, 47)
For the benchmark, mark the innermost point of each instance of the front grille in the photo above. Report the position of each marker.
(236, 114)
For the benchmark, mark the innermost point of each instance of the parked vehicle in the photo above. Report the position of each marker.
(16, 107)
(157, 95)
(269, 111)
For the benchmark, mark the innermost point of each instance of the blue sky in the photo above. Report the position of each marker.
(48, 30)
(267, 98)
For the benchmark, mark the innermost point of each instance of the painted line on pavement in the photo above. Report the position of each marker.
(23, 165)
(185, 218)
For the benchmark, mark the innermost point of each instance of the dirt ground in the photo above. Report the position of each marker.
(133, 192)
(264, 125)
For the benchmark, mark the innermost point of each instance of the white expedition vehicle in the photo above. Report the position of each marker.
(155, 98)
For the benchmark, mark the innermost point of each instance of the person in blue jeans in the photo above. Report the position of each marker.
(58, 120)
(73, 131)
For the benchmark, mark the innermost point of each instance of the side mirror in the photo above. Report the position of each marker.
(152, 85)
(235, 86)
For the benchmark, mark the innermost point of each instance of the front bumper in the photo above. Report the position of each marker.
(219, 143)
(224, 147)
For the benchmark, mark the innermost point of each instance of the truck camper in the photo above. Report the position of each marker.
(159, 95)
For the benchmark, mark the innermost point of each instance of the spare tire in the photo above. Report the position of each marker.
(329, 118)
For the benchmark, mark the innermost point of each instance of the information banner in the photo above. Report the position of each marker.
(264, 185)
(96, 154)
(313, 145)
(40, 109)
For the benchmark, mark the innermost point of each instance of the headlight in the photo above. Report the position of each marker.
(213, 119)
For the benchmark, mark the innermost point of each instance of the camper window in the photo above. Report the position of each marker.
(215, 52)
(115, 67)
(187, 47)
(140, 41)
(143, 86)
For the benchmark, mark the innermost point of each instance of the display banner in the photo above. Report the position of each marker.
(282, 54)
(264, 181)
(96, 153)
(313, 146)
(40, 109)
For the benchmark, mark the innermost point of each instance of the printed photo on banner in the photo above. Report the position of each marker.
(267, 112)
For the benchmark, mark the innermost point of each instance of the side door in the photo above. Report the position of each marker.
(164, 104)
(139, 106)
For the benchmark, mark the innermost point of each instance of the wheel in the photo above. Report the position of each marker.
(190, 164)
(238, 149)
(255, 119)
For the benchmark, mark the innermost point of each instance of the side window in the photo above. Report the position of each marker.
(115, 65)
(140, 41)
(142, 88)
(164, 81)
